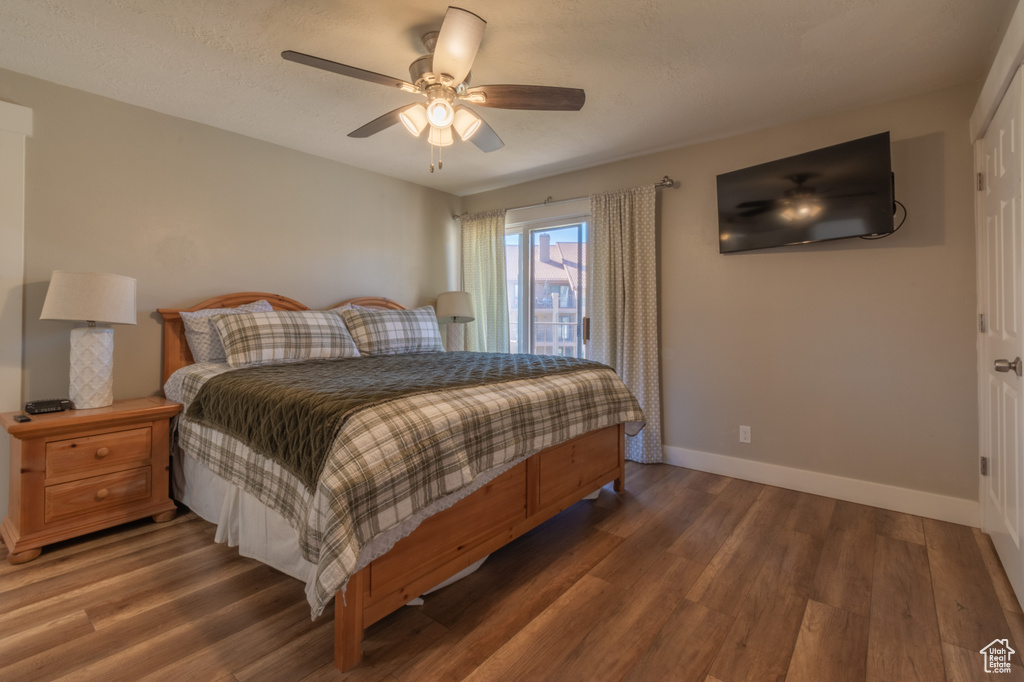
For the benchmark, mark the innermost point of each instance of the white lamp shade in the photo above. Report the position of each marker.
(440, 137)
(454, 306)
(466, 123)
(91, 296)
(414, 118)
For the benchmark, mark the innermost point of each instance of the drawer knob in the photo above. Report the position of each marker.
(102, 452)
(100, 494)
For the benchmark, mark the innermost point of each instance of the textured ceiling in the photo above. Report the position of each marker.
(658, 74)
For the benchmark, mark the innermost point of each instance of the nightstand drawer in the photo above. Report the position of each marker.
(82, 455)
(97, 492)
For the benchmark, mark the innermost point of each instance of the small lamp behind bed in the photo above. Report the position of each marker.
(91, 297)
(455, 308)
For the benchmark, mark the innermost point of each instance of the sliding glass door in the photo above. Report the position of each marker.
(547, 283)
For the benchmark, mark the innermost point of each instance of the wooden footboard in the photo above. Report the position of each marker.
(446, 543)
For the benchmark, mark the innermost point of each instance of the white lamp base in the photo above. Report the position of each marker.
(92, 367)
(456, 337)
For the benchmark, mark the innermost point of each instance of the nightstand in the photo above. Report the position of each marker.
(79, 471)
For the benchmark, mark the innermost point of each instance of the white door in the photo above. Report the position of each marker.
(1000, 249)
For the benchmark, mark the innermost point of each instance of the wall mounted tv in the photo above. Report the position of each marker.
(833, 193)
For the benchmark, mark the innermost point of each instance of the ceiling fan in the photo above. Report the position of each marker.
(802, 195)
(442, 78)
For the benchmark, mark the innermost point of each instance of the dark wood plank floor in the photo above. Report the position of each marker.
(686, 576)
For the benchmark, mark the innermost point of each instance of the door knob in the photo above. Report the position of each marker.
(1006, 366)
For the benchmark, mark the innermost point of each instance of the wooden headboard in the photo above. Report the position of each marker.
(176, 350)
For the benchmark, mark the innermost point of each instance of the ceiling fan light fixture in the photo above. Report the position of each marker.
(440, 137)
(414, 118)
(465, 123)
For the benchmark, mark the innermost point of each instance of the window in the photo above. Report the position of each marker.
(545, 263)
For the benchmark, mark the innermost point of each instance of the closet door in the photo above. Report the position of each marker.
(1001, 298)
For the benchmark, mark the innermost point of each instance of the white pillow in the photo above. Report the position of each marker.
(202, 336)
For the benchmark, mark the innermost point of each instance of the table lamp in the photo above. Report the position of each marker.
(91, 297)
(455, 309)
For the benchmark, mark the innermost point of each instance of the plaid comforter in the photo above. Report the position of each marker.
(451, 442)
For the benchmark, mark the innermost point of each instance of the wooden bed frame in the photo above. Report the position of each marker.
(451, 541)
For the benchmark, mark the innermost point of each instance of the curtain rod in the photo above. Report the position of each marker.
(664, 182)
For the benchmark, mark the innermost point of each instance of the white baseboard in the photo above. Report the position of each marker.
(917, 502)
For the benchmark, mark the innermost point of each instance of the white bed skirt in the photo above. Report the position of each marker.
(242, 520)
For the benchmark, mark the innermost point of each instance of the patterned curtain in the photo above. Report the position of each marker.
(483, 276)
(624, 304)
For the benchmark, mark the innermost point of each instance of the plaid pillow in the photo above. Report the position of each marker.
(203, 340)
(388, 332)
(284, 336)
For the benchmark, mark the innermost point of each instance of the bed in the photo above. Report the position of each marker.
(423, 549)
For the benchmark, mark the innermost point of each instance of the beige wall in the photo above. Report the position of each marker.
(851, 358)
(192, 211)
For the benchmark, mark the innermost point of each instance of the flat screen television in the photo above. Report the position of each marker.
(841, 191)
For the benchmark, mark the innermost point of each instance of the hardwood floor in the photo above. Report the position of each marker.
(686, 576)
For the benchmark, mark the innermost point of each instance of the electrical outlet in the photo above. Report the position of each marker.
(744, 434)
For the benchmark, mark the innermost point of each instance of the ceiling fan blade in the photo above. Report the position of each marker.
(533, 97)
(345, 70)
(457, 43)
(380, 123)
(486, 139)
(755, 211)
